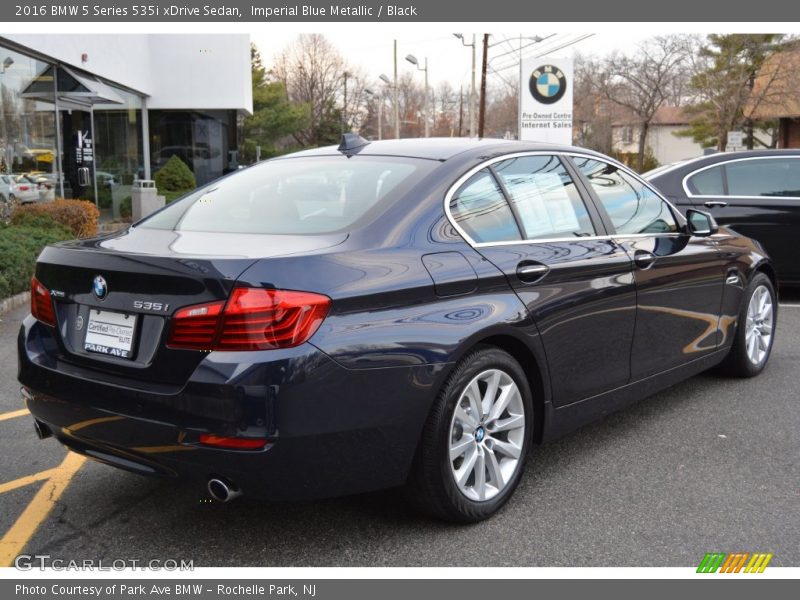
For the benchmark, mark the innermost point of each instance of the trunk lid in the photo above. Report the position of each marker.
(148, 274)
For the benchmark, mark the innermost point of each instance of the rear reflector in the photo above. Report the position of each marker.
(232, 443)
(251, 319)
(42, 303)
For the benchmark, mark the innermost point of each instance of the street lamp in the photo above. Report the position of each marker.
(413, 60)
(460, 36)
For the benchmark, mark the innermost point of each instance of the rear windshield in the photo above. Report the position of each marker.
(307, 195)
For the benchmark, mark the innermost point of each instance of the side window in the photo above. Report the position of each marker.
(707, 183)
(480, 209)
(632, 206)
(544, 197)
(764, 177)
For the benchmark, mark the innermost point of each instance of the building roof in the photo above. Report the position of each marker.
(776, 91)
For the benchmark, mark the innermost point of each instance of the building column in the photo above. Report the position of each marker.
(145, 139)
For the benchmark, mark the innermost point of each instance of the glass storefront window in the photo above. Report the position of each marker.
(118, 149)
(28, 155)
(205, 141)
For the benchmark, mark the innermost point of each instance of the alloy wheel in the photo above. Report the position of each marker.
(758, 328)
(487, 434)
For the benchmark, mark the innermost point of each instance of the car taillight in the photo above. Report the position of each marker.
(232, 443)
(251, 319)
(24, 188)
(42, 303)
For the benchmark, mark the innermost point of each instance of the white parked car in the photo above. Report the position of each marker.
(23, 188)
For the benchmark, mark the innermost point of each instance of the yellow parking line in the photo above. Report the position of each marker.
(13, 414)
(16, 538)
(23, 481)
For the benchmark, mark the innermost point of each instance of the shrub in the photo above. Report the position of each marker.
(104, 199)
(19, 248)
(126, 208)
(79, 216)
(172, 196)
(40, 220)
(175, 176)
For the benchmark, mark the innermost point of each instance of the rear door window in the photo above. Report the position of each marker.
(544, 197)
(764, 177)
(480, 209)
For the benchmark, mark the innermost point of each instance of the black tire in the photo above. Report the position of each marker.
(431, 485)
(738, 363)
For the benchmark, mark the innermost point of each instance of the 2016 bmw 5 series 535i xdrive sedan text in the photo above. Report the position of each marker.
(411, 314)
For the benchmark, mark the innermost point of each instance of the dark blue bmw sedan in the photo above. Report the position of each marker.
(412, 314)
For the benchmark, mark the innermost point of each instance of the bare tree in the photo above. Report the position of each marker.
(644, 82)
(313, 72)
(502, 108)
(593, 113)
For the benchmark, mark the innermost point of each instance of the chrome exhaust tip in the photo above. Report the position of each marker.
(223, 491)
(42, 431)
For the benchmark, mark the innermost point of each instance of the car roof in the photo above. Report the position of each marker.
(443, 148)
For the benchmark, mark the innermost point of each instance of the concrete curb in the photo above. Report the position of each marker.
(8, 304)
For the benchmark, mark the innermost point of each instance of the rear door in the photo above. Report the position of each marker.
(527, 216)
(758, 197)
(679, 278)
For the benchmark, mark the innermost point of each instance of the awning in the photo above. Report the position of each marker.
(73, 87)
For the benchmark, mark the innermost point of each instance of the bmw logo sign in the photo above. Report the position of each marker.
(100, 288)
(548, 84)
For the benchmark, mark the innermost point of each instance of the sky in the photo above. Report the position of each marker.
(448, 59)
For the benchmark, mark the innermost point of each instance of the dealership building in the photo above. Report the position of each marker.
(92, 113)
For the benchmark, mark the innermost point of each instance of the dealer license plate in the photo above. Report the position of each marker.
(110, 333)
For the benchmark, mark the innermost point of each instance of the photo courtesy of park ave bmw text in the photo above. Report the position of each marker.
(339, 300)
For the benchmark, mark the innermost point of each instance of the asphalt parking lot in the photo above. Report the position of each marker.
(711, 464)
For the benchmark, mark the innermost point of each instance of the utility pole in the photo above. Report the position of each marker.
(482, 116)
(472, 92)
(396, 97)
(471, 102)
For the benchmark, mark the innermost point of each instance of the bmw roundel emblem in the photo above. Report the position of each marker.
(100, 287)
(548, 84)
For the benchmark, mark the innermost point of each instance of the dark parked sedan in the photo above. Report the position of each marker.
(411, 313)
(755, 193)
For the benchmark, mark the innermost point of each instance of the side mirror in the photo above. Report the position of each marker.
(700, 223)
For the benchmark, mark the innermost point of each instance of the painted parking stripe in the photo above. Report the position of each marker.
(21, 532)
(13, 414)
(27, 480)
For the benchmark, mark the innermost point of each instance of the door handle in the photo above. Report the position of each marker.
(715, 204)
(643, 259)
(531, 272)
(83, 176)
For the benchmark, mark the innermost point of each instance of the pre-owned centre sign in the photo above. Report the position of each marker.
(546, 100)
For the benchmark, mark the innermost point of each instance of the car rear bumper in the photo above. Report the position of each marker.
(330, 430)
